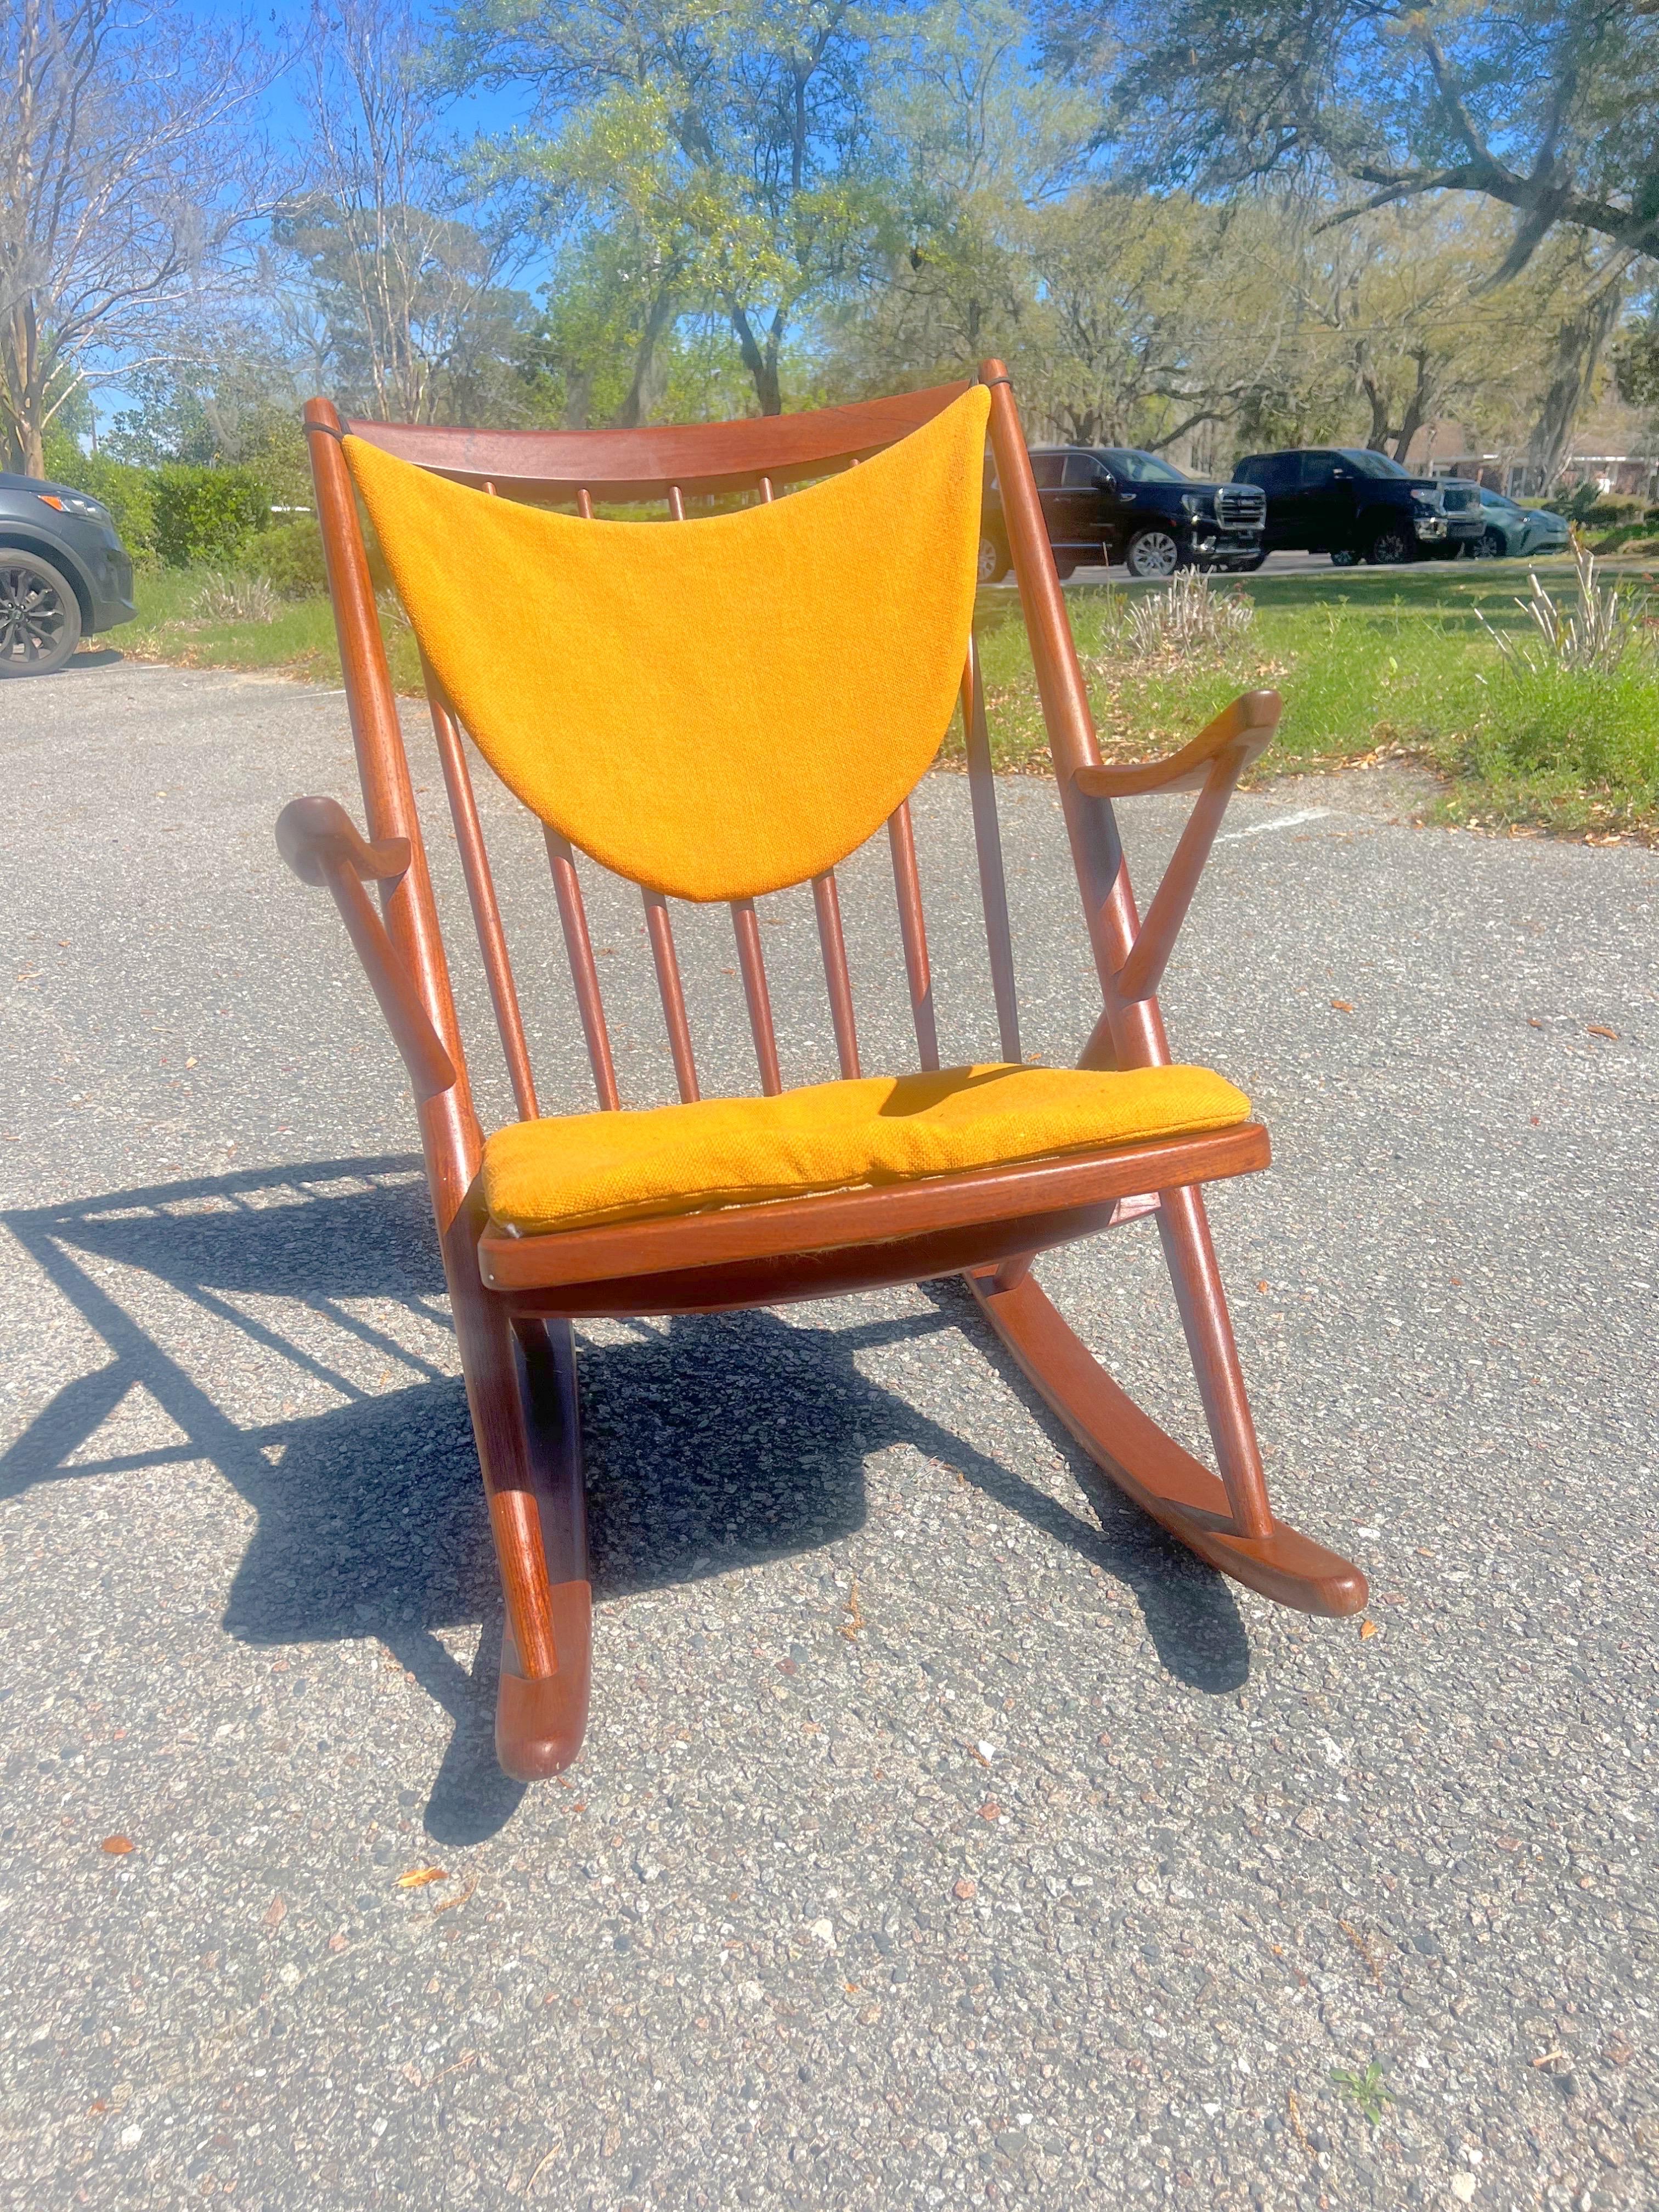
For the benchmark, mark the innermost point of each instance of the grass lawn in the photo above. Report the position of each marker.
(1372, 662)
(300, 641)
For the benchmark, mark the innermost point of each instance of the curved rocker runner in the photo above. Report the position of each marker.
(659, 750)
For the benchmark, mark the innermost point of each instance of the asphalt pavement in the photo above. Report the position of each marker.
(944, 1836)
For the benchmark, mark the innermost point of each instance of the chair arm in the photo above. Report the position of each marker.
(1248, 726)
(1211, 765)
(320, 842)
(313, 832)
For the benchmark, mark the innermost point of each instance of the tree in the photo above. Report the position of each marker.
(1548, 107)
(404, 296)
(727, 150)
(129, 172)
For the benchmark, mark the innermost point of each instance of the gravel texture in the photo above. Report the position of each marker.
(943, 1835)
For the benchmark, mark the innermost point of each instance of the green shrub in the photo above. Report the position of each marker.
(129, 494)
(289, 556)
(207, 514)
(1588, 504)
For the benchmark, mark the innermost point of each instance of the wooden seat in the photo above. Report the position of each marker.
(566, 741)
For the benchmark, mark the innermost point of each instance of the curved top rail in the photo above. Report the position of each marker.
(549, 467)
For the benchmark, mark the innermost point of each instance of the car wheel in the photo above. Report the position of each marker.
(993, 561)
(1390, 546)
(39, 616)
(1152, 553)
(1250, 563)
(1489, 546)
(1065, 566)
(1343, 556)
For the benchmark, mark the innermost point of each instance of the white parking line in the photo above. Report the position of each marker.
(1281, 821)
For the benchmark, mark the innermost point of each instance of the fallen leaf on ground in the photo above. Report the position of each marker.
(990, 1810)
(418, 1877)
(965, 1889)
(459, 1898)
(276, 1912)
(1367, 1628)
(118, 1846)
(1342, 1005)
(1596, 1030)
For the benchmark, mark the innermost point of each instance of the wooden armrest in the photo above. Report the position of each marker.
(1247, 724)
(320, 842)
(312, 832)
(1212, 766)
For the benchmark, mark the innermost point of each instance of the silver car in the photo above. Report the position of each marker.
(1514, 532)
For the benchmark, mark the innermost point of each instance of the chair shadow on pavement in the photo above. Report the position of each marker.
(371, 1519)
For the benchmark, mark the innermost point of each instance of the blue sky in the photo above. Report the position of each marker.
(285, 21)
(282, 22)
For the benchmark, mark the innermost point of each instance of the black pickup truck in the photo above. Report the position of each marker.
(1115, 503)
(1360, 506)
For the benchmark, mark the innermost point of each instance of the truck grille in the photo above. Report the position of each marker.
(1459, 498)
(1241, 506)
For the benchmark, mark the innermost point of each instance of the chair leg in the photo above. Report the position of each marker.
(521, 1387)
(540, 1722)
(1190, 1256)
(1150, 1467)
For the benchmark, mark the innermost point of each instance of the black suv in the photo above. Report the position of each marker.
(1360, 506)
(63, 574)
(1114, 503)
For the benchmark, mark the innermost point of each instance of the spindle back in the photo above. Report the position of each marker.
(727, 463)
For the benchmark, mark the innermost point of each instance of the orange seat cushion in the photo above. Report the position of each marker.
(577, 1170)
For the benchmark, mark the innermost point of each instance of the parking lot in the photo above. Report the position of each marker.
(943, 1835)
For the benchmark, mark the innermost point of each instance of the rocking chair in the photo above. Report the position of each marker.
(715, 707)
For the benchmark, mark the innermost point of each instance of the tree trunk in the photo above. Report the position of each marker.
(1417, 406)
(1578, 347)
(763, 367)
(23, 388)
(650, 369)
(1378, 400)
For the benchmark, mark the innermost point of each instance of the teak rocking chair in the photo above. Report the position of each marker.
(716, 710)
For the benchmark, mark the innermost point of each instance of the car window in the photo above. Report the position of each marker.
(1499, 499)
(1046, 468)
(1083, 471)
(1132, 467)
(1273, 472)
(1318, 470)
(1371, 465)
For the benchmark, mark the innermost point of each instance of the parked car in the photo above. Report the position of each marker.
(1114, 503)
(1512, 531)
(1360, 506)
(63, 574)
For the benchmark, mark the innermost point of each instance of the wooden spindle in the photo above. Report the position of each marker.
(486, 908)
(987, 842)
(661, 934)
(766, 491)
(572, 916)
(752, 965)
(584, 503)
(676, 504)
(907, 885)
(826, 901)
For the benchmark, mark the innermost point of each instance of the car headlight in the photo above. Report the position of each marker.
(1426, 498)
(74, 503)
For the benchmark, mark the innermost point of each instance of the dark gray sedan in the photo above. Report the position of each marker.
(64, 574)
